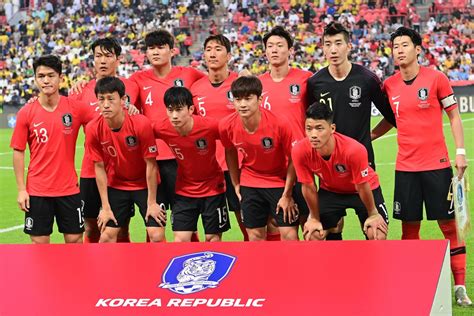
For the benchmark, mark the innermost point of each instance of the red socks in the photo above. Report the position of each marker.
(458, 252)
(411, 231)
(273, 237)
(195, 237)
(90, 240)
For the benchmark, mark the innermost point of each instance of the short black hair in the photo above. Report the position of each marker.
(405, 31)
(335, 28)
(108, 44)
(320, 111)
(109, 85)
(219, 39)
(159, 38)
(50, 61)
(177, 97)
(245, 86)
(281, 32)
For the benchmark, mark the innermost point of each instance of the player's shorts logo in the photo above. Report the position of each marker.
(131, 141)
(230, 96)
(340, 168)
(179, 83)
(267, 143)
(295, 89)
(397, 208)
(423, 94)
(67, 120)
(28, 223)
(196, 272)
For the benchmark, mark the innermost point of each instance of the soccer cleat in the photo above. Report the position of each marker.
(461, 297)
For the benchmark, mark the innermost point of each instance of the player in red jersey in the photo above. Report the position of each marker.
(265, 183)
(49, 126)
(200, 184)
(106, 52)
(124, 152)
(213, 98)
(418, 96)
(152, 85)
(284, 93)
(345, 178)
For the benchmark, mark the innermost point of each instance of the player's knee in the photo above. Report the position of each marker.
(289, 233)
(108, 236)
(256, 234)
(39, 239)
(72, 238)
(156, 234)
(213, 237)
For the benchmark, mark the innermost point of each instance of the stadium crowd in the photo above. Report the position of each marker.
(69, 30)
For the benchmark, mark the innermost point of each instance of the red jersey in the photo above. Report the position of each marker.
(418, 109)
(287, 98)
(347, 166)
(88, 96)
(215, 102)
(152, 90)
(265, 152)
(199, 174)
(51, 137)
(123, 152)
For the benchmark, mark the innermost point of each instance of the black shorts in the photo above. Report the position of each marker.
(260, 203)
(213, 210)
(332, 206)
(67, 210)
(232, 199)
(303, 209)
(166, 189)
(91, 197)
(414, 188)
(122, 202)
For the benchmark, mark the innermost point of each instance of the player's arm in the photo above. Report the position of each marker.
(380, 129)
(375, 221)
(313, 227)
(458, 135)
(310, 99)
(232, 160)
(23, 198)
(105, 213)
(153, 208)
(286, 202)
(381, 102)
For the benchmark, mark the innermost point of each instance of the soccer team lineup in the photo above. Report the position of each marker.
(288, 154)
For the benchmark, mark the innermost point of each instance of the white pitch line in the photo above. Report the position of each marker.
(9, 229)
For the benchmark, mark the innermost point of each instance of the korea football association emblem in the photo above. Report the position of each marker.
(423, 94)
(179, 83)
(67, 120)
(131, 141)
(295, 89)
(267, 143)
(196, 272)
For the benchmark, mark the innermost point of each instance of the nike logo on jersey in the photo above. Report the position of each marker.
(395, 97)
(450, 212)
(221, 226)
(93, 103)
(201, 98)
(324, 94)
(104, 143)
(237, 144)
(37, 124)
(147, 87)
(265, 92)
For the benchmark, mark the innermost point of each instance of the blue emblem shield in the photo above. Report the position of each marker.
(196, 272)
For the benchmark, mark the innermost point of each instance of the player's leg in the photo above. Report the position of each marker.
(437, 191)
(120, 202)
(91, 205)
(155, 230)
(273, 232)
(184, 217)
(255, 212)
(335, 233)
(39, 220)
(332, 209)
(361, 211)
(288, 230)
(303, 210)
(215, 217)
(234, 204)
(70, 217)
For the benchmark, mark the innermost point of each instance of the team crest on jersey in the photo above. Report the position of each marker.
(355, 93)
(267, 143)
(131, 141)
(201, 145)
(340, 168)
(67, 120)
(295, 89)
(196, 272)
(179, 83)
(28, 223)
(423, 94)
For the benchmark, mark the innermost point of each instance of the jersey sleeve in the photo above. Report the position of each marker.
(359, 164)
(85, 112)
(20, 133)
(93, 147)
(286, 137)
(147, 139)
(303, 172)
(132, 91)
(445, 93)
(196, 74)
(380, 99)
(224, 134)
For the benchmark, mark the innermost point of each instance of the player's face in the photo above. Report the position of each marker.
(47, 80)
(277, 51)
(318, 132)
(404, 51)
(180, 116)
(105, 62)
(336, 49)
(159, 55)
(110, 104)
(216, 55)
(247, 106)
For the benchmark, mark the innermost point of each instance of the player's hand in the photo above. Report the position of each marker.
(244, 72)
(373, 225)
(289, 208)
(237, 192)
(132, 109)
(77, 87)
(105, 215)
(23, 200)
(461, 165)
(155, 211)
(313, 229)
(32, 99)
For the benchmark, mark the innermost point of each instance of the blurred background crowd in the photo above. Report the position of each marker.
(30, 28)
